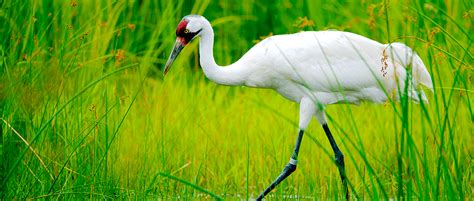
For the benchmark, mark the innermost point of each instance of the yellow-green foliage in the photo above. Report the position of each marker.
(86, 112)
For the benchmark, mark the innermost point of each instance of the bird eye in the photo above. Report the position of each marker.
(186, 31)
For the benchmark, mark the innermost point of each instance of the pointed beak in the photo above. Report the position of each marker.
(178, 46)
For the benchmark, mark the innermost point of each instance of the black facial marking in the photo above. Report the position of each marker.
(188, 36)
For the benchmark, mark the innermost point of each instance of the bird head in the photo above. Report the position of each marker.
(188, 28)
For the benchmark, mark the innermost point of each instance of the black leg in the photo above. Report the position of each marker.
(289, 168)
(339, 159)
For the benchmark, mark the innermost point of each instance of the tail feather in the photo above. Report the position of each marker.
(421, 74)
(405, 56)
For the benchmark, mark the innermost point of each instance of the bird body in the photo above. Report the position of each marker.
(329, 66)
(314, 69)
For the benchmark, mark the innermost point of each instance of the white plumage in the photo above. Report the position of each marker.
(315, 69)
(329, 66)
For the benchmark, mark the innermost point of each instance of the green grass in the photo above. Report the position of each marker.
(86, 113)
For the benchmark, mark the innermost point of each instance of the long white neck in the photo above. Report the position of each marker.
(230, 75)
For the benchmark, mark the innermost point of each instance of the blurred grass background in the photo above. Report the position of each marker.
(86, 113)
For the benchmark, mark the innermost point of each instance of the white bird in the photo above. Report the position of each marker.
(314, 69)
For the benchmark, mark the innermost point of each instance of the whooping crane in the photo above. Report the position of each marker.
(314, 69)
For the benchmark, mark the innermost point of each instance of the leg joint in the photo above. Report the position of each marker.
(290, 168)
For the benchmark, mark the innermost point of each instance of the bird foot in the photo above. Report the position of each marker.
(289, 168)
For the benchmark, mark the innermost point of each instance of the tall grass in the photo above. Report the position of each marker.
(86, 113)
